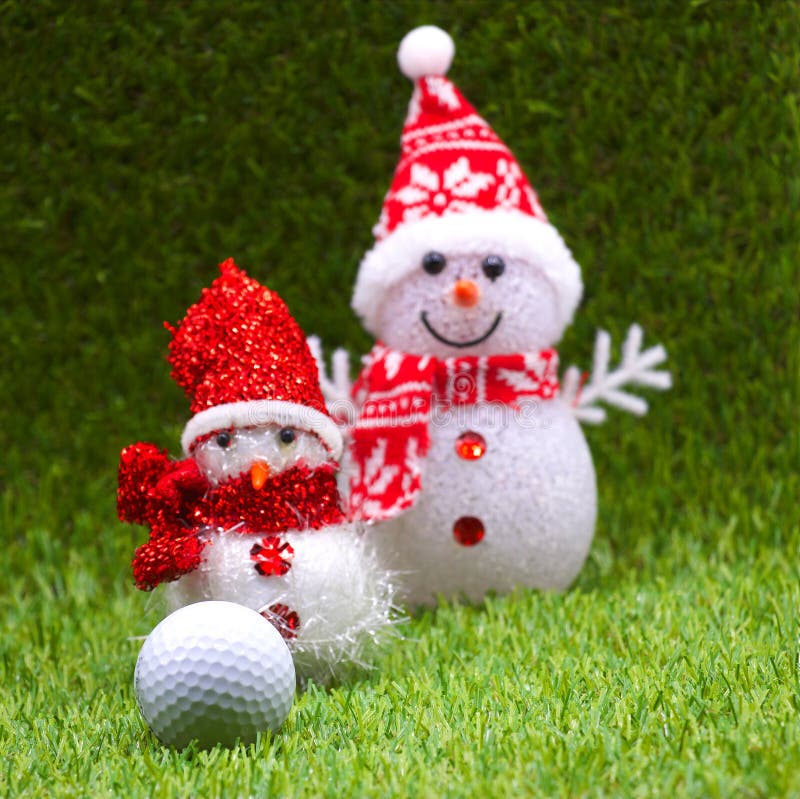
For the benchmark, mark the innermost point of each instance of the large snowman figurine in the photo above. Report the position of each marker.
(466, 453)
(252, 514)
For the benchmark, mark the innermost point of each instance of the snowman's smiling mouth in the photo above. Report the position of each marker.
(471, 343)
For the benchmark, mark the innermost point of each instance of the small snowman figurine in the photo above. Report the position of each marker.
(466, 451)
(252, 514)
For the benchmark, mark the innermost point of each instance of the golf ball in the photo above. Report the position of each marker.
(215, 672)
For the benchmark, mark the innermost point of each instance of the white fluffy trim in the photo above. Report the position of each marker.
(261, 412)
(511, 233)
(341, 592)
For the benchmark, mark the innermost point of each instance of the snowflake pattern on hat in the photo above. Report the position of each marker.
(451, 161)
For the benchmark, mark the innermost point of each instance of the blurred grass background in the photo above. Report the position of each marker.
(141, 144)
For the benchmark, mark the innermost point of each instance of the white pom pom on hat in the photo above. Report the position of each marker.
(425, 51)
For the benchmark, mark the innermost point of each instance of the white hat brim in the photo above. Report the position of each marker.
(256, 413)
(515, 233)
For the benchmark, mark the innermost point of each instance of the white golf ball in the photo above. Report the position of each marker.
(215, 672)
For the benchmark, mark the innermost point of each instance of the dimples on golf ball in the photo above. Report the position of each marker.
(215, 672)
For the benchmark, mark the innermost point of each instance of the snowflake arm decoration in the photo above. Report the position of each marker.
(336, 388)
(636, 368)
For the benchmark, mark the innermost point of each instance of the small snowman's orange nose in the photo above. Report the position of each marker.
(259, 472)
(466, 293)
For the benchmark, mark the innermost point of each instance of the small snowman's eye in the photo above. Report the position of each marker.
(433, 262)
(224, 440)
(493, 266)
(287, 436)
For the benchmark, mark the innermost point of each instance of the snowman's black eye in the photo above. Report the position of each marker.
(224, 440)
(433, 262)
(287, 435)
(493, 266)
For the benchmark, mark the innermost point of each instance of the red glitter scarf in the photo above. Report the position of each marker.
(176, 501)
(396, 392)
(297, 499)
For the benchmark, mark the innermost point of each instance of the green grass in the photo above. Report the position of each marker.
(139, 149)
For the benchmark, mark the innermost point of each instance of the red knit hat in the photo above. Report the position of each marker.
(244, 362)
(455, 178)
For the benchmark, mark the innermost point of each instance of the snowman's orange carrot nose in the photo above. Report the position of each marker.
(466, 293)
(259, 472)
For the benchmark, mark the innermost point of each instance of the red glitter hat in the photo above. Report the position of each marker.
(244, 362)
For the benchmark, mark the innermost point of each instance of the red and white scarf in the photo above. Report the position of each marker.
(396, 393)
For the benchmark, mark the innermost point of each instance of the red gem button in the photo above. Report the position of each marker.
(283, 619)
(468, 531)
(470, 446)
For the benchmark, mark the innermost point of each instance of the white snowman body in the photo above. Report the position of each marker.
(335, 592)
(333, 597)
(530, 495)
(530, 498)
